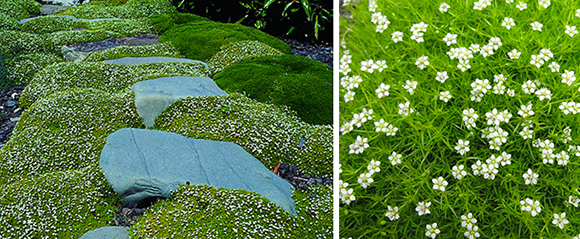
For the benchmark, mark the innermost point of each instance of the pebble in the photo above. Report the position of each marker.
(10, 103)
(15, 119)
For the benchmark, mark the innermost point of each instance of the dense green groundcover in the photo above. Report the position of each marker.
(486, 106)
(58, 204)
(20, 9)
(299, 82)
(164, 49)
(100, 75)
(164, 22)
(268, 132)
(64, 131)
(199, 40)
(18, 41)
(22, 68)
(235, 52)
(201, 211)
(48, 24)
(8, 23)
(131, 9)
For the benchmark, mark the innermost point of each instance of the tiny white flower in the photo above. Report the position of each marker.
(459, 172)
(544, 3)
(347, 195)
(554, 67)
(383, 90)
(410, 86)
(529, 87)
(422, 62)
(397, 36)
(462, 146)
(577, 12)
(442, 76)
(439, 184)
(560, 220)
(530, 177)
(395, 158)
(508, 22)
(392, 213)
(467, 220)
(537, 61)
(568, 77)
(536, 26)
(417, 36)
(404, 109)
(544, 93)
(349, 96)
(522, 5)
(514, 54)
(359, 145)
(495, 42)
(432, 230)
(450, 39)
(573, 200)
(526, 110)
(511, 93)
(373, 166)
(423, 208)
(444, 96)
(444, 7)
(571, 30)
(365, 179)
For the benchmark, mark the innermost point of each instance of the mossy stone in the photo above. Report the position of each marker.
(302, 84)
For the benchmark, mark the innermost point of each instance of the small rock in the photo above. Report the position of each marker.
(15, 119)
(14, 95)
(70, 54)
(17, 110)
(107, 233)
(10, 103)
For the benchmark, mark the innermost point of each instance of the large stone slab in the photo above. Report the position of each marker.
(152, 59)
(153, 96)
(144, 164)
(107, 233)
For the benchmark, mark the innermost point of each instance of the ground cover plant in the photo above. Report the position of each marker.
(460, 119)
(48, 24)
(240, 51)
(120, 9)
(164, 22)
(20, 9)
(22, 68)
(164, 49)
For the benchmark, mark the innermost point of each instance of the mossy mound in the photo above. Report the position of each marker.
(201, 39)
(48, 24)
(22, 68)
(8, 23)
(66, 131)
(5, 82)
(302, 84)
(235, 52)
(164, 49)
(270, 133)
(102, 76)
(199, 211)
(13, 41)
(20, 9)
(56, 205)
(164, 22)
(131, 9)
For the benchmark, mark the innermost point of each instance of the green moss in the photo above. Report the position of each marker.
(11, 40)
(100, 75)
(47, 24)
(269, 133)
(201, 39)
(164, 22)
(20, 9)
(240, 51)
(198, 211)
(22, 68)
(56, 205)
(8, 23)
(131, 9)
(66, 131)
(302, 84)
(164, 49)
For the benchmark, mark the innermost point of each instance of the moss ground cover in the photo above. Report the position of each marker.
(130, 9)
(240, 51)
(164, 22)
(164, 49)
(65, 131)
(99, 75)
(20, 9)
(210, 36)
(269, 133)
(48, 24)
(22, 68)
(8, 23)
(301, 83)
(16, 41)
(200, 211)
(460, 119)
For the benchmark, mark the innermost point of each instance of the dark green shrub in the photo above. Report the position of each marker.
(5, 81)
(163, 23)
(200, 40)
(302, 84)
(131, 9)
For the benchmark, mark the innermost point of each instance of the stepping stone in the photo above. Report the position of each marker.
(153, 96)
(107, 233)
(144, 164)
(82, 19)
(51, 9)
(152, 59)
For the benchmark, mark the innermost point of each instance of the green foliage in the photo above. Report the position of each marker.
(63, 204)
(8, 23)
(5, 81)
(235, 52)
(13, 41)
(269, 133)
(48, 24)
(163, 23)
(201, 39)
(22, 68)
(131, 9)
(302, 84)
(164, 49)
(20, 9)
(200, 210)
(100, 75)
(65, 131)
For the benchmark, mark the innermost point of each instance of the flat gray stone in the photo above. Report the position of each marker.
(51, 9)
(153, 96)
(152, 59)
(144, 164)
(107, 233)
(83, 19)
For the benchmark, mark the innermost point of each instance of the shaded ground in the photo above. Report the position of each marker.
(9, 112)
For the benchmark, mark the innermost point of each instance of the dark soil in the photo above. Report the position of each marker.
(9, 112)
(316, 51)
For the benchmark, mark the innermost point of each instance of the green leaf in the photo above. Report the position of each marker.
(306, 6)
(316, 28)
(267, 4)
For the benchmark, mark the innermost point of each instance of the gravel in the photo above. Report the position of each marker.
(316, 51)
(9, 112)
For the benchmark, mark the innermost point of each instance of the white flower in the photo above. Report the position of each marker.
(537, 61)
(444, 96)
(422, 62)
(463, 65)
(391, 130)
(526, 110)
(571, 30)
(469, 118)
(349, 96)
(359, 145)
(372, 6)
(439, 184)
(546, 54)
(468, 220)
(509, 1)
(462, 146)
(383, 90)
(514, 54)
(346, 128)
(442, 76)
(530, 177)
(560, 220)
(417, 36)
(450, 39)
(568, 77)
(432, 230)
(511, 93)
(397, 36)
(563, 158)
(423, 208)
(382, 25)
(381, 65)
(365, 179)
(554, 67)
(529, 87)
(373, 166)
(395, 158)
(404, 109)
(544, 3)
(392, 213)
(376, 17)
(368, 66)
(522, 5)
(544, 93)
(458, 172)
(486, 50)
(495, 42)
(574, 200)
(347, 196)
(410, 86)
(536, 26)
(444, 7)
(577, 12)
(477, 167)
(508, 22)
(471, 232)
